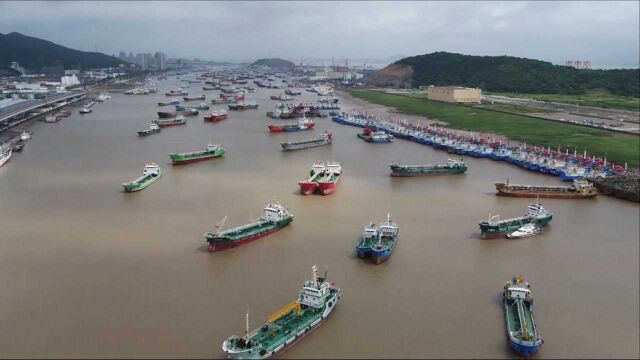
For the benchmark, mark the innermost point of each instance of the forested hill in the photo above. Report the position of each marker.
(508, 74)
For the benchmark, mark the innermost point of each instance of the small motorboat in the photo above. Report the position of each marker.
(525, 231)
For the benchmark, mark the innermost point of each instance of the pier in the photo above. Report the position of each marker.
(17, 114)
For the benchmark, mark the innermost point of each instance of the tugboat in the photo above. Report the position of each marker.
(310, 185)
(285, 328)
(275, 218)
(581, 189)
(329, 182)
(151, 173)
(178, 120)
(493, 227)
(153, 128)
(386, 241)
(518, 312)
(525, 231)
(301, 125)
(211, 152)
(325, 138)
(452, 167)
(367, 240)
(217, 115)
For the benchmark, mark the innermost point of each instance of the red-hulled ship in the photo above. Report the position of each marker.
(216, 116)
(329, 182)
(310, 184)
(302, 124)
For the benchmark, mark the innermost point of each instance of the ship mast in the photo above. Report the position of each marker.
(314, 270)
(246, 331)
(220, 224)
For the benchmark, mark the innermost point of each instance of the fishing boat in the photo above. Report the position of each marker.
(203, 106)
(5, 154)
(178, 92)
(222, 101)
(275, 218)
(178, 120)
(377, 137)
(309, 185)
(367, 240)
(151, 173)
(452, 167)
(494, 227)
(153, 128)
(217, 115)
(286, 327)
(522, 332)
(193, 98)
(243, 106)
(301, 125)
(210, 88)
(580, 189)
(281, 97)
(328, 183)
(525, 231)
(166, 114)
(293, 92)
(169, 103)
(187, 111)
(325, 138)
(211, 152)
(386, 241)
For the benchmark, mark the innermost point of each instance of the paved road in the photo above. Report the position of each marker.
(16, 109)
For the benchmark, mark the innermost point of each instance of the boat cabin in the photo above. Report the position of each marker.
(151, 169)
(275, 212)
(314, 292)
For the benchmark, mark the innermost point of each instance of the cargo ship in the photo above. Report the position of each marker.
(166, 114)
(216, 116)
(329, 182)
(286, 327)
(367, 240)
(452, 167)
(153, 128)
(243, 106)
(301, 125)
(386, 241)
(580, 189)
(211, 152)
(522, 332)
(493, 227)
(275, 218)
(168, 103)
(151, 173)
(310, 184)
(325, 138)
(176, 93)
(178, 120)
(193, 98)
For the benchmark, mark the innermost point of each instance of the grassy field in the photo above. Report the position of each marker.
(596, 99)
(619, 148)
(514, 108)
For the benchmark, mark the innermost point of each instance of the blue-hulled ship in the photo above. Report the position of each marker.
(386, 242)
(367, 240)
(522, 333)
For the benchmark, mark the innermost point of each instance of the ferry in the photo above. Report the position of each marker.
(493, 227)
(211, 152)
(522, 332)
(581, 189)
(386, 241)
(152, 172)
(275, 218)
(325, 138)
(285, 328)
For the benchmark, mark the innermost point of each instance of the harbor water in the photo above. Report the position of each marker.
(88, 270)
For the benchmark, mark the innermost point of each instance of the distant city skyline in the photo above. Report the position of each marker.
(604, 33)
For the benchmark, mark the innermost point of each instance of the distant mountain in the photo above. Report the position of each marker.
(505, 73)
(36, 54)
(275, 63)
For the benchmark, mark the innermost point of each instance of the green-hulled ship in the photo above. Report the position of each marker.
(452, 167)
(151, 173)
(275, 218)
(285, 328)
(492, 227)
(211, 152)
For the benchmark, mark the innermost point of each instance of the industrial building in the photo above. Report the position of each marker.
(454, 94)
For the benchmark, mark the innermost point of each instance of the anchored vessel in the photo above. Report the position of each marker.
(579, 190)
(310, 184)
(178, 120)
(452, 167)
(493, 227)
(275, 218)
(171, 102)
(328, 183)
(302, 124)
(325, 138)
(153, 128)
(217, 115)
(518, 312)
(377, 137)
(386, 241)
(367, 240)
(193, 98)
(151, 173)
(285, 328)
(243, 106)
(211, 152)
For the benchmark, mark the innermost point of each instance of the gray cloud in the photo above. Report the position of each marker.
(607, 33)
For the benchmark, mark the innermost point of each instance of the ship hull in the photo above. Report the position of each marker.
(546, 195)
(496, 231)
(167, 124)
(308, 188)
(133, 187)
(397, 171)
(224, 245)
(328, 188)
(215, 118)
(293, 147)
(195, 159)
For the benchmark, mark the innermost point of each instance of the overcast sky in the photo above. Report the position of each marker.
(607, 33)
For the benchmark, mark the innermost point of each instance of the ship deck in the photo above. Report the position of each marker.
(513, 318)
